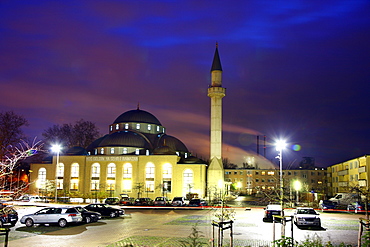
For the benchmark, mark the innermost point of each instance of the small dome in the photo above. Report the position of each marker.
(173, 143)
(95, 144)
(137, 116)
(76, 151)
(192, 160)
(164, 150)
(124, 139)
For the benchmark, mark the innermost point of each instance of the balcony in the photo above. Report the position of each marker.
(362, 169)
(342, 173)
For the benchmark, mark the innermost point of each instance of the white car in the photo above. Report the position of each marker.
(306, 217)
(53, 215)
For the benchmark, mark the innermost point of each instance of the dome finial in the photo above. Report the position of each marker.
(138, 106)
(216, 44)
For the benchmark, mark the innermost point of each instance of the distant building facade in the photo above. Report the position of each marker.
(348, 174)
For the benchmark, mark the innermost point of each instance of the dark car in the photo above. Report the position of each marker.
(272, 210)
(88, 216)
(127, 201)
(144, 201)
(8, 215)
(112, 200)
(105, 209)
(196, 202)
(326, 204)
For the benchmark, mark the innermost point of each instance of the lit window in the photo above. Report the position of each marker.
(111, 128)
(111, 185)
(127, 171)
(137, 126)
(167, 171)
(102, 151)
(188, 178)
(111, 170)
(127, 185)
(271, 173)
(117, 126)
(41, 178)
(137, 151)
(158, 128)
(94, 185)
(124, 150)
(60, 171)
(126, 126)
(95, 170)
(186, 155)
(59, 184)
(149, 170)
(149, 127)
(147, 152)
(163, 130)
(112, 150)
(75, 170)
(149, 186)
(74, 184)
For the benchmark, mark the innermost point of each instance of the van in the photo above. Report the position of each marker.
(34, 199)
(346, 198)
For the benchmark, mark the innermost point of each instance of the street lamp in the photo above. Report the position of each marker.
(297, 187)
(56, 149)
(280, 145)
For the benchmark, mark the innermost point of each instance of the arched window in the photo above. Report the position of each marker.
(75, 170)
(60, 171)
(167, 178)
(95, 170)
(188, 180)
(127, 170)
(149, 177)
(41, 178)
(111, 170)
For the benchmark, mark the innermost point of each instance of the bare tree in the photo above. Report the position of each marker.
(10, 130)
(81, 134)
(14, 155)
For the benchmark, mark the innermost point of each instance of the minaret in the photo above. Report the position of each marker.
(216, 92)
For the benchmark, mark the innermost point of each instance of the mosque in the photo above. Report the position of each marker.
(137, 157)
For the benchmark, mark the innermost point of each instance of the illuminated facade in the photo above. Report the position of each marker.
(346, 175)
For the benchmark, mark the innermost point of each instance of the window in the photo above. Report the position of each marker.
(263, 173)
(167, 171)
(94, 185)
(137, 151)
(149, 127)
(102, 151)
(111, 128)
(149, 171)
(147, 152)
(127, 170)
(95, 170)
(117, 126)
(271, 173)
(112, 150)
(111, 185)
(137, 126)
(188, 180)
(127, 185)
(111, 170)
(126, 125)
(241, 173)
(124, 150)
(158, 128)
(41, 178)
(74, 184)
(60, 171)
(75, 169)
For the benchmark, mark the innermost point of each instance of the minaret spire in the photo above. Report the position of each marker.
(216, 70)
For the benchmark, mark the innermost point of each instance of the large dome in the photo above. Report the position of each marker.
(124, 139)
(137, 116)
(173, 142)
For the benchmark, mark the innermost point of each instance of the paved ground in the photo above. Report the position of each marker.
(150, 227)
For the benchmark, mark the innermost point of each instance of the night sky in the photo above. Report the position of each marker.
(297, 70)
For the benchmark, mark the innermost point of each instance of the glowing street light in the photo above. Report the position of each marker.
(56, 149)
(297, 187)
(280, 145)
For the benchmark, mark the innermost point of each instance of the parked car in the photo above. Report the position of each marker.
(178, 201)
(161, 201)
(27, 198)
(357, 206)
(53, 215)
(105, 209)
(327, 204)
(272, 210)
(8, 215)
(6, 198)
(144, 201)
(88, 216)
(112, 200)
(305, 216)
(127, 201)
(196, 202)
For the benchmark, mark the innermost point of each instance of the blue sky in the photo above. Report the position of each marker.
(292, 69)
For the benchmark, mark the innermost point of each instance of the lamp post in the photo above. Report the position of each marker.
(56, 148)
(297, 187)
(280, 145)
